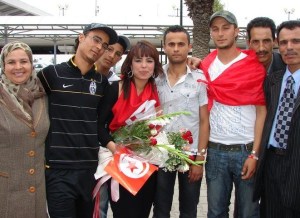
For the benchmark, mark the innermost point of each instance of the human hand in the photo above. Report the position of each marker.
(195, 173)
(249, 168)
(112, 146)
(193, 62)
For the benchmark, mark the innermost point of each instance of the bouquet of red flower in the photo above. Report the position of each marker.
(147, 140)
(143, 145)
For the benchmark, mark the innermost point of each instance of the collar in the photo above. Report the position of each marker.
(188, 70)
(73, 64)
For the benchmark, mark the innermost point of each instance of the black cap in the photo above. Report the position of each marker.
(124, 42)
(113, 36)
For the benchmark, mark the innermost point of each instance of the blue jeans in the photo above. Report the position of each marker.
(223, 168)
(104, 199)
(189, 194)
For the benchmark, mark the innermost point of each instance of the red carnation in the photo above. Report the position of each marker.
(192, 157)
(184, 137)
(190, 139)
(151, 126)
(153, 141)
(158, 127)
(188, 133)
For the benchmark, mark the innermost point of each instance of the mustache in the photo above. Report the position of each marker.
(291, 53)
(262, 52)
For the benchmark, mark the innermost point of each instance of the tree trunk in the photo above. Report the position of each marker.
(200, 12)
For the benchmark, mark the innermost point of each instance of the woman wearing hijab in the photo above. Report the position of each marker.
(24, 125)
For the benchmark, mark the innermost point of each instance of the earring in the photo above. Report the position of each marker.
(130, 74)
(153, 75)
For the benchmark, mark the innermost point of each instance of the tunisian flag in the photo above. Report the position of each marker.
(130, 171)
(239, 84)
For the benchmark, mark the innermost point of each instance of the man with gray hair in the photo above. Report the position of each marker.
(277, 178)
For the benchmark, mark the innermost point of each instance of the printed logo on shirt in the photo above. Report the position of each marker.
(93, 88)
(66, 86)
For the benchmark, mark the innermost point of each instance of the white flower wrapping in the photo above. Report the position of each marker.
(147, 141)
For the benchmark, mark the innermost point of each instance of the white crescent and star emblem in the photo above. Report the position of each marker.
(133, 168)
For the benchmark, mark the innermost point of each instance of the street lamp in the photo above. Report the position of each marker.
(181, 8)
(62, 8)
(96, 8)
(289, 12)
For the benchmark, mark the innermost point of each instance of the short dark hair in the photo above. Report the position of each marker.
(290, 25)
(176, 29)
(261, 22)
(76, 44)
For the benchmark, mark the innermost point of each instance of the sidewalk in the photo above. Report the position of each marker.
(202, 206)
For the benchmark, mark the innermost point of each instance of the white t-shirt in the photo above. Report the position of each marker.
(230, 124)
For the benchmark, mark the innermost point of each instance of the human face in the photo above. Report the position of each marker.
(177, 47)
(111, 56)
(93, 45)
(17, 66)
(262, 43)
(223, 33)
(289, 47)
(142, 67)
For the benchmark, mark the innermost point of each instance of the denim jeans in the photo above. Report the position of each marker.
(189, 194)
(223, 169)
(104, 199)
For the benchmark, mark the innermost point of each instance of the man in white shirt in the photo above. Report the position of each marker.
(237, 112)
(179, 90)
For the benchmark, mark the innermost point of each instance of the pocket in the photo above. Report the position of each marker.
(211, 165)
(189, 100)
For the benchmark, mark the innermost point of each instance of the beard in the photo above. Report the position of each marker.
(224, 47)
(177, 61)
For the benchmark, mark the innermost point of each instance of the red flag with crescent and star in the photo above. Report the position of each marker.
(130, 171)
(239, 84)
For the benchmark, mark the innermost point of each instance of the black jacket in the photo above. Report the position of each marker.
(290, 186)
(277, 64)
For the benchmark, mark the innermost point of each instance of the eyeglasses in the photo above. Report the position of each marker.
(111, 50)
(98, 41)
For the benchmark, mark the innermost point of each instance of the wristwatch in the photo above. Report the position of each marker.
(253, 152)
(202, 152)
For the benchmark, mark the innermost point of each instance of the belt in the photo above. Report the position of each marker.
(278, 151)
(234, 147)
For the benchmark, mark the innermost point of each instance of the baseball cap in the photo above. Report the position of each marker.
(226, 15)
(124, 41)
(113, 36)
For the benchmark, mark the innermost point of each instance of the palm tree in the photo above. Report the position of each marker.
(200, 12)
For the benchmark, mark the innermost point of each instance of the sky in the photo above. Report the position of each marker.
(163, 12)
(152, 12)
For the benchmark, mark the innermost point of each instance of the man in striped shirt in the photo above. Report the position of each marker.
(74, 91)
